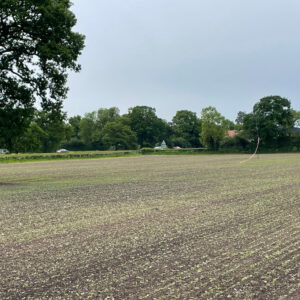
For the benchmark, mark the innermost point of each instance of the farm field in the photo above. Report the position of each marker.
(151, 227)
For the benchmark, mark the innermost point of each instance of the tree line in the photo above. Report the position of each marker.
(38, 48)
(272, 120)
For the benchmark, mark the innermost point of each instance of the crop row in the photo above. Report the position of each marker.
(151, 227)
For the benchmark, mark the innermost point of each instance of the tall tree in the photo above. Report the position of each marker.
(240, 117)
(105, 115)
(32, 140)
(213, 127)
(187, 127)
(92, 124)
(148, 127)
(57, 131)
(228, 124)
(75, 124)
(87, 128)
(45, 133)
(239, 120)
(37, 48)
(118, 135)
(271, 120)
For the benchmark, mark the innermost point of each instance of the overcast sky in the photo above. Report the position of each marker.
(185, 54)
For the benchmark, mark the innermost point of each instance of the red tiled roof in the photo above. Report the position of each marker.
(231, 133)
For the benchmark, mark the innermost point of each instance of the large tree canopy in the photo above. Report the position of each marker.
(186, 127)
(37, 47)
(118, 136)
(271, 120)
(148, 127)
(91, 126)
(213, 129)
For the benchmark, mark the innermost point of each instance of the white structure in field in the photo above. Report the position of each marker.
(163, 145)
(4, 151)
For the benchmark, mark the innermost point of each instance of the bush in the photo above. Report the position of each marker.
(69, 155)
(74, 145)
(237, 143)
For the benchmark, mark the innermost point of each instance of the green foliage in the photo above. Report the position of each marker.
(37, 47)
(239, 120)
(238, 142)
(229, 125)
(87, 128)
(13, 122)
(45, 133)
(32, 139)
(106, 115)
(53, 124)
(240, 117)
(271, 120)
(75, 125)
(213, 127)
(25, 157)
(186, 129)
(118, 136)
(74, 144)
(106, 129)
(91, 126)
(296, 117)
(179, 141)
(148, 127)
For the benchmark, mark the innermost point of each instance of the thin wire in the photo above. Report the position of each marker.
(258, 141)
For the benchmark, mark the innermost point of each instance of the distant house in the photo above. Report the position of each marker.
(232, 133)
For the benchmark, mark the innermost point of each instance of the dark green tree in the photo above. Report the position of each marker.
(74, 143)
(213, 127)
(119, 136)
(37, 48)
(296, 118)
(239, 120)
(56, 129)
(240, 117)
(229, 124)
(75, 124)
(105, 115)
(186, 128)
(87, 128)
(92, 124)
(148, 127)
(271, 120)
(32, 139)
(45, 133)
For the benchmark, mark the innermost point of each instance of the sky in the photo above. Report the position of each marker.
(185, 54)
